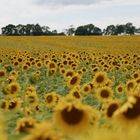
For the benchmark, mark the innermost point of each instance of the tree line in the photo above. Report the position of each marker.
(89, 29)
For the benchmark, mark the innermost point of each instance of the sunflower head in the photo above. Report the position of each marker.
(51, 99)
(72, 117)
(129, 112)
(25, 124)
(12, 89)
(44, 132)
(14, 104)
(100, 79)
(104, 93)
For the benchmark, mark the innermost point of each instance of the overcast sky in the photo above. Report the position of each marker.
(59, 14)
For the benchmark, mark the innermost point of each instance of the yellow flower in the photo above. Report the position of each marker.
(129, 113)
(12, 89)
(4, 104)
(104, 93)
(42, 131)
(14, 104)
(32, 99)
(25, 124)
(100, 79)
(51, 99)
(72, 117)
(74, 81)
(86, 89)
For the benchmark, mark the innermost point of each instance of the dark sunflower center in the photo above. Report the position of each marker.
(72, 117)
(13, 89)
(49, 98)
(104, 93)
(73, 80)
(86, 89)
(134, 112)
(31, 99)
(120, 89)
(76, 94)
(12, 105)
(111, 109)
(130, 86)
(3, 105)
(100, 79)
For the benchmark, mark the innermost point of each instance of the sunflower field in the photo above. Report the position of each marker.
(70, 88)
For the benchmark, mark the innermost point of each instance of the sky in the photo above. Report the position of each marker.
(60, 14)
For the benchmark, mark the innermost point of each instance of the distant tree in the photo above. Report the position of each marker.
(8, 30)
(70, 31)
(37, 30)
(120, 29)
(110, 30)
(130, 29)
(54, 32)
(88, 29)
(45, 30)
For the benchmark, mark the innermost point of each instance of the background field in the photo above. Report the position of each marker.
(112, 44)
(72, 70)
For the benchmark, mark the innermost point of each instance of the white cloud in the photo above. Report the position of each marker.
(101, 12)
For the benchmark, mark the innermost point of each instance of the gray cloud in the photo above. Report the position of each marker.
(69, 2)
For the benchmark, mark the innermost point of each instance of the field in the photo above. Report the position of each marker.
(70, 88)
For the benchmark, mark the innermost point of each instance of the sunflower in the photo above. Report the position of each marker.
(11, 79)
(130, 86)
(74, 81)
(25, 67)
(51, 99)
(129, 113)
(75, 93)
(4, 104)
(25, 124)
(12, 89)
(14, 73)
(2, 73)
(44, 132)
(72, 117)
(68, 74)
(86, 89)
(104, 93)
(120, 88)
(111, 108)
(32, 99)
(14, 104)
(136, 75)
(100, 79)
(30, 89)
